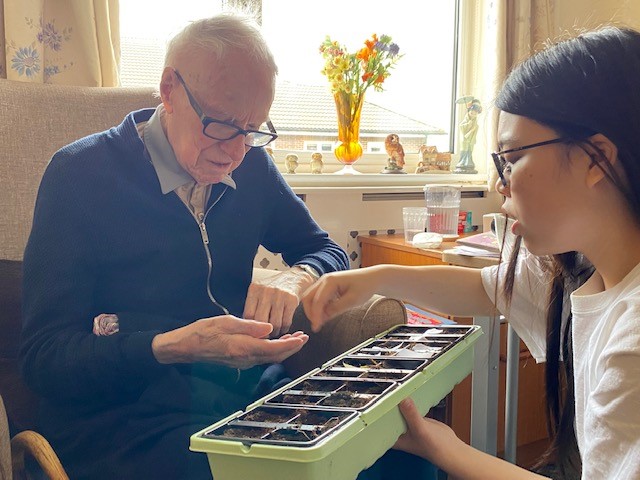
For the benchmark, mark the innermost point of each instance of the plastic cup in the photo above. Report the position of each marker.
(443, 205)
(414, 220)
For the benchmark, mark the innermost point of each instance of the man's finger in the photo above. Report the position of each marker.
(278, 349)
(275, 318)
(287, 316)
(250, 304)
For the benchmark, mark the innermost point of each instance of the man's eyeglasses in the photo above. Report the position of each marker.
(219, 130)
(504, 167)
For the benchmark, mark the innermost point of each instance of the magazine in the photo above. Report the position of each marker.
(486, 241)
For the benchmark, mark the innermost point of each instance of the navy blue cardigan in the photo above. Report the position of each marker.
(106, 240)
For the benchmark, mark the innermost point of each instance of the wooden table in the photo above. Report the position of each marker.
(377, 249)
(487, 385)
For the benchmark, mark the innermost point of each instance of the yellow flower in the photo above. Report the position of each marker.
(354, 73)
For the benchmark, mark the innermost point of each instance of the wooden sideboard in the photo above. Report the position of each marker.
(532, 436)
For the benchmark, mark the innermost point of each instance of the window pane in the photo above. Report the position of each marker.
(419, 88)
(145, 27)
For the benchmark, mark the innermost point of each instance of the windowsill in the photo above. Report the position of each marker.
(328, 180)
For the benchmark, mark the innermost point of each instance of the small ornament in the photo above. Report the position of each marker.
(291, 162)
(269, 151)
(432, 161)
(468, 130)
(395, 162)
(316, 163)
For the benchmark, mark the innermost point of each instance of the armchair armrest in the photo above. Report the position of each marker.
(27, 442)
(34, 444)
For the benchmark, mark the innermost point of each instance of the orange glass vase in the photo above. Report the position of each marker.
(349, 150)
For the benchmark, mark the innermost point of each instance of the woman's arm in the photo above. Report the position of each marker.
(436, 442)
(451, 290)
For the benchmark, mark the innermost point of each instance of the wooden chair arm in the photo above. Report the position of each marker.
(34, 444)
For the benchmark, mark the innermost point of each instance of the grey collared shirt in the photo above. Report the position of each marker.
(171, 175)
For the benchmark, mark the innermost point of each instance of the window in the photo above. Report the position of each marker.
(375, 147)
(418, 97)
(145, 27)
(318, 147)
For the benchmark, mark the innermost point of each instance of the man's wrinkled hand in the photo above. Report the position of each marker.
(274, 299)
(226, 340)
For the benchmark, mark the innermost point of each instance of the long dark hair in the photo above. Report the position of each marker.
(578, 87)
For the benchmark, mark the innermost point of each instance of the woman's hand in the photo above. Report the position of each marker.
(426, 437)
(337, 292)
(436, 442)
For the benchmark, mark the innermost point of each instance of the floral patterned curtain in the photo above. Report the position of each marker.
(70, 42)
(498, 35)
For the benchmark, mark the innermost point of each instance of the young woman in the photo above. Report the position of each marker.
(569, 166)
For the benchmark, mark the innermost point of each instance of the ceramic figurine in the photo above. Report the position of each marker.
(469, 131)
(432, 161)
(427, 158)
(316, 162)
(291, 162)
(269, 151)
(395, 162)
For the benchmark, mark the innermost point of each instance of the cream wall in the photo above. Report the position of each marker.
(572, 14)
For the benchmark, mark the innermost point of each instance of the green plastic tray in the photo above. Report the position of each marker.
(353, 447)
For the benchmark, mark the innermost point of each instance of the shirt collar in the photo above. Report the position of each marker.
(170, 173)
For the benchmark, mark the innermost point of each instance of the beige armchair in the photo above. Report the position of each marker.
(37, 120)
(13, 452)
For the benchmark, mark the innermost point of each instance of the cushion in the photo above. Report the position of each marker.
(20, 402)
(38, 119)
(344, 332)
(10, 307)
(5, 449)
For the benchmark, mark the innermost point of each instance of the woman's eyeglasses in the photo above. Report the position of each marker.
(504, 167)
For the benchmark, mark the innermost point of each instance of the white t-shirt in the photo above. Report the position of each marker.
(606, 351)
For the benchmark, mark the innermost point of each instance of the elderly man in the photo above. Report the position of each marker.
(141, 322)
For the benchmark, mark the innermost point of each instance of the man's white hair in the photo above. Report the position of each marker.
(219, 35)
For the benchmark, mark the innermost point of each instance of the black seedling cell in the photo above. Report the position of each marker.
(362, 373)
(345, 393)
(266, 424)
(244, 432)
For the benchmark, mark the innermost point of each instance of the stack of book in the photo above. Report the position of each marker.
(481, 245)
(418, 316)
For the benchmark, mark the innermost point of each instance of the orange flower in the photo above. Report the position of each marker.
(364, 53)
(354, 73)
(371, 43)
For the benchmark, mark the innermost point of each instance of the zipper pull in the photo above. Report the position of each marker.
(205, 235)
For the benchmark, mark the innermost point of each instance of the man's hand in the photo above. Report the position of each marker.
(226, 340)
(274, 299)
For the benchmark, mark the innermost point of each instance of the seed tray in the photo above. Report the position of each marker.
(351, 393)
(373, 368)
(280, 425)
(267, 440)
